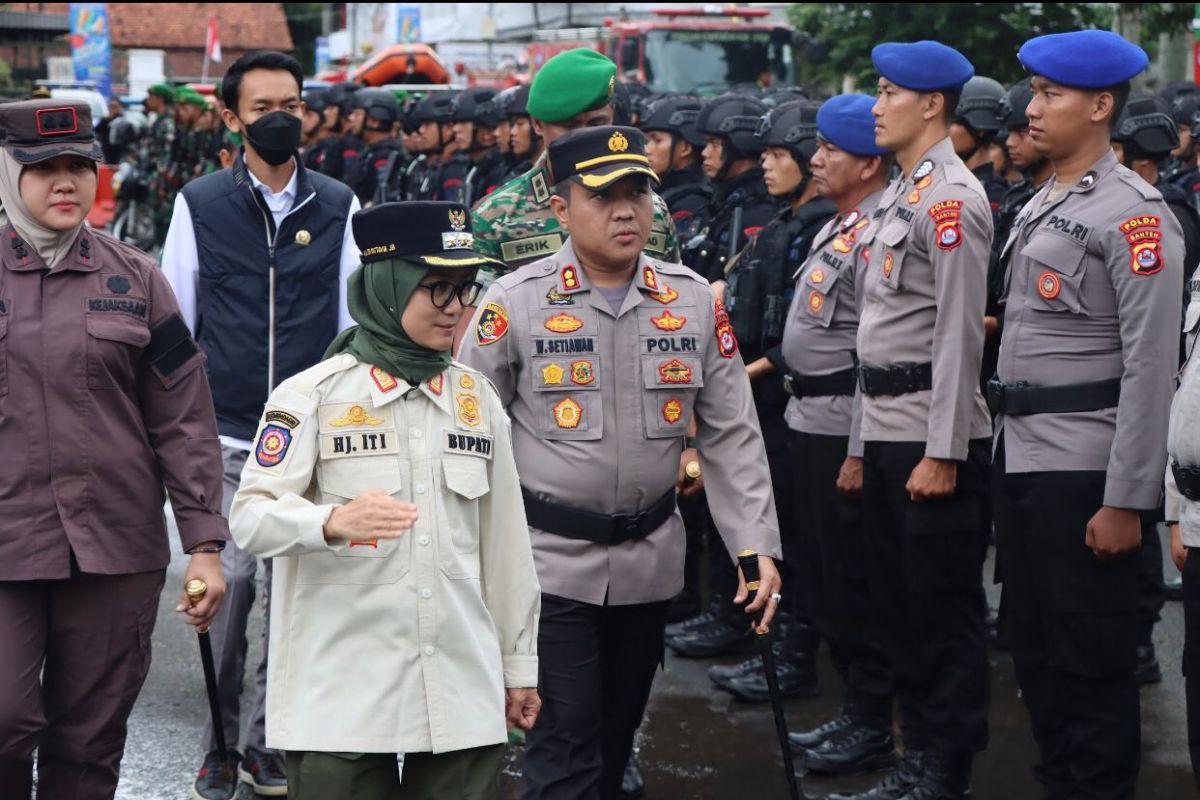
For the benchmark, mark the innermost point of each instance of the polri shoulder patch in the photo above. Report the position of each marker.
(492, 325)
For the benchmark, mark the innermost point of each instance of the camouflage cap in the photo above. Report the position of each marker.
(572, 82)
(38, 130)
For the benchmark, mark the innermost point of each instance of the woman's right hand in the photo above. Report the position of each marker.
(372, 515)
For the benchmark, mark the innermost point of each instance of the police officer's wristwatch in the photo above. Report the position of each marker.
(689, 443)
(207, 547)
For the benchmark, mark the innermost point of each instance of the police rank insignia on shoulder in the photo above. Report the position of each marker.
(273, 445)
(668, 322)
(649, 278)
(1143, 235)
(946, 216)
(492, 325)
(926, 168)
(666, 296)
(726, 342)
(563, 323)
(570, 278)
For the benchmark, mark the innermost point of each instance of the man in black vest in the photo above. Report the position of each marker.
(258, 255)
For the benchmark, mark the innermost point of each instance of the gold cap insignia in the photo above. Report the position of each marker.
(357, 415)
(303, 237)
(458, 219)
(612, 82)
(617, 143)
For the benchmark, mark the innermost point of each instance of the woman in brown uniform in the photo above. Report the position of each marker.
(103, 402)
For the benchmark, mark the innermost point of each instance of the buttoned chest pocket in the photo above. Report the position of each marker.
(115, 344)
(1056, 271)
(366, 561)
(463, 482)
(670, 384)
(887, 256)
(566, 397)
(819, 292)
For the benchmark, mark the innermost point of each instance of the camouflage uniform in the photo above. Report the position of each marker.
(153, 157)
(514, 224)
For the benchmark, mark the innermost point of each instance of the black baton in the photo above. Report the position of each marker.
(748, 561)
(195, 590)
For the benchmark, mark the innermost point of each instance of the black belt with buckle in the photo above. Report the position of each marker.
(839, 384)
(1020, 399)
(895, 380)
(1187, 479)
(606, 529)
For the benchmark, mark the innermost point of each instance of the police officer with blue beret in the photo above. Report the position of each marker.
(1081, 397)
(924, 424)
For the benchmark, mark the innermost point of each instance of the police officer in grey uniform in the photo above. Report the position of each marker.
(924, 424)
(817, 357)
(1082, 396)
(602, 357)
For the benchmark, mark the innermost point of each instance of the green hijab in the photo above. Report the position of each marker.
(377, 294)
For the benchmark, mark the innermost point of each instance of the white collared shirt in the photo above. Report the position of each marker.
(181, 259)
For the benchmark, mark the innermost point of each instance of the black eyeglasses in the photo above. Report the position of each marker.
(442, 293)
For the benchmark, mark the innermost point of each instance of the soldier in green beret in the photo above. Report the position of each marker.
(514, 224)
(153, 154)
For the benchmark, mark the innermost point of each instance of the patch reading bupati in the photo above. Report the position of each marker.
(116, 305)
(272, 447)
(471, 444)
(492, 325)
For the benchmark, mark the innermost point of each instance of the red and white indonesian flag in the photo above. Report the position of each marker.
(212, 42)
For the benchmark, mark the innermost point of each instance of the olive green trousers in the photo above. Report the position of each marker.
(458, 775)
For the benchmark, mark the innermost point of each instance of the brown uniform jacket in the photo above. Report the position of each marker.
(102, 403)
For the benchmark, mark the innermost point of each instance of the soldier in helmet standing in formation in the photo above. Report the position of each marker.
(375, 175)
(759, 288)
(476, 121)
(526, 143)
(673, 145)
(977, 120)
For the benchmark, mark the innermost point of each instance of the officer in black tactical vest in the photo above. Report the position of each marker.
(1184, 100)
(476, 116)
(729, 125)
(673, 146)
(431, 116)
(328, 155)
(977, 119)
(1143, 138)
(759, 285)
(377, 174)
(526, 144)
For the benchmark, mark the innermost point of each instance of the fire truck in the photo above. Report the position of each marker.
(699, 50)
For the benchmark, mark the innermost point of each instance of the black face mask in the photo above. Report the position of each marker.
(275, 136)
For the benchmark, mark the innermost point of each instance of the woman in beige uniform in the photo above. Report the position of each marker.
(383, 484)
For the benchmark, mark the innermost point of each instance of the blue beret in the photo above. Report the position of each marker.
(1084, 59)
(922, 66)
(847, 121)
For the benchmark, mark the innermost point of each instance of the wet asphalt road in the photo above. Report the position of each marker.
(696, 743)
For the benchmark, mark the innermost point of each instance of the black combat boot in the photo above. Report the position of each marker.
(860, 747)
(806, 740)
(945, 776)
(716, 607)
(906, 775)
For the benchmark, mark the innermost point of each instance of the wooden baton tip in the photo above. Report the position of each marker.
(745, 553)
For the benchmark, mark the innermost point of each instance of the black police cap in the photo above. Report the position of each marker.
(598, 157)
(433, 233)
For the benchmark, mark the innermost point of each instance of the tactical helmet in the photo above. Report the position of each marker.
(1145, 127)
(476, 105)
(342, 95)
(778, 95)
(1016, 100)
(640, 96)
(1184, 108)
(622, 104)
(380, 104)
(1175, 89)
(314, 100)
(504, 99)
(734, 119)
(675, 114)
(979, 105)
(436, 107)
(516, 106)
(793, 126)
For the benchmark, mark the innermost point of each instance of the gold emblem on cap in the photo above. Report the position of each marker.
(458, 219)
(612, 82)
(303, 237)
(357, 415)
(617, 143)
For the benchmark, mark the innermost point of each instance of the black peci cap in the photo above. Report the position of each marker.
(433, 233)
